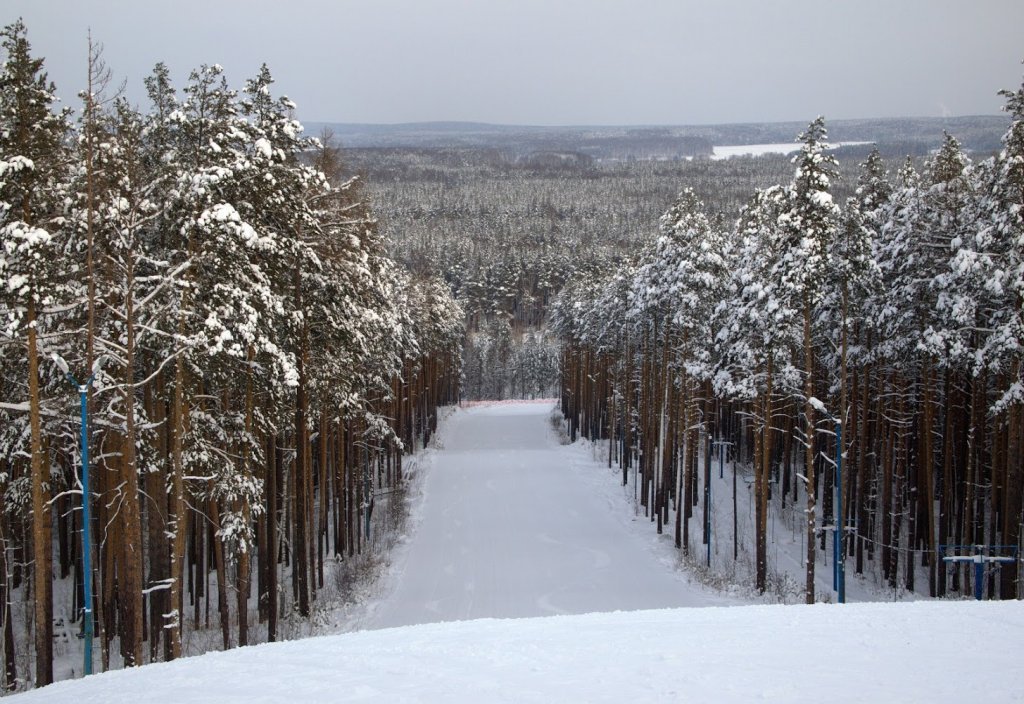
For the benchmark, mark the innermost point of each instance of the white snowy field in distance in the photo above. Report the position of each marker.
(726, 152)
(911, 652)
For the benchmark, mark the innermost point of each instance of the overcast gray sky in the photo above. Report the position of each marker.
(560, 62)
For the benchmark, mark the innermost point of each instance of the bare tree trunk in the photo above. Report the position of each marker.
(927, 477)
(130, 582)
(809, 452)
(762, 478)
(179, 517)
(325, 494)
(42, 549)
(222, 577)
(10, 669)
(156, 525)
(300, 552)
(273, 467)
(1012, 516)
(244, 561)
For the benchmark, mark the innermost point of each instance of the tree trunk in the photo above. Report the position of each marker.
(1011, 528)
(927, 477)
(10, 670)
(179, 517)
(809, 452)
(42, 548)
(300, 551)
(762, 478)
(220, 568)
(271, 555)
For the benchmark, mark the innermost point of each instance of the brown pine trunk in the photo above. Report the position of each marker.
(270, 557)
(222, 578)
(339, 489)
(1008, 586)
(927, 477)
(863, 534)
(110, 556)
(156, 524)
(244, 561)
(42, 548)
(761, 483)
(325, 493)
(683, 421)
(809, 451)
(179, 517)
(10, 669)
(130, 581)
(300, 550)
(221, 572)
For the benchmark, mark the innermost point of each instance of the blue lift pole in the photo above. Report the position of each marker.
(83, 393)
(707, 498)
(840, 552)
(87, 625)
(979, 558)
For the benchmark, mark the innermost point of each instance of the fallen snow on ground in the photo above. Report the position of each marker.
(511, 525)
(919, 652)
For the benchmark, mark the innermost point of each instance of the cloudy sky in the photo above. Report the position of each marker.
(559, 62)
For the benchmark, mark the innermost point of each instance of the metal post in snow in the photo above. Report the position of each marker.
(840, 552)
(83, 395)
(839, 556)
(979, 558)
(707, 499)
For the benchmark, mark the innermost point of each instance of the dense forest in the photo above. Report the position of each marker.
(889, 322)
(253, 367)
(506, 215)
(232, 338)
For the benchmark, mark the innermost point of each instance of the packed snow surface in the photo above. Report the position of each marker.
(515, 530)
(509, 526)
(910, 652)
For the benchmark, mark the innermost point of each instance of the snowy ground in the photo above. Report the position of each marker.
(920, 652)
(507, 523)
(511, 526)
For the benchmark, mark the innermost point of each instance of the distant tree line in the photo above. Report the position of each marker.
(257, 365)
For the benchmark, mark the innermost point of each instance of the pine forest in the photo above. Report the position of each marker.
(236, 340)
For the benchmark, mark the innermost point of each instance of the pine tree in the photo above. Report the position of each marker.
(32, 160)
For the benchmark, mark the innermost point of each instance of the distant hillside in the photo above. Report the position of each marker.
(895, 137)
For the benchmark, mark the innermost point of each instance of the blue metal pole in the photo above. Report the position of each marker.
(835, 528)
(707, 504)
(83, 392)
(840, 557)
(979, 576)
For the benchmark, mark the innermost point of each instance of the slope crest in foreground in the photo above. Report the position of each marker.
(924, 651)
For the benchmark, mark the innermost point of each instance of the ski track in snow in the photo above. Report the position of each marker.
(511, 524)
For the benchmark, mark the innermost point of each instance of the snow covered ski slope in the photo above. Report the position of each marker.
(933, 652)
(513, 524)
(511, 527)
